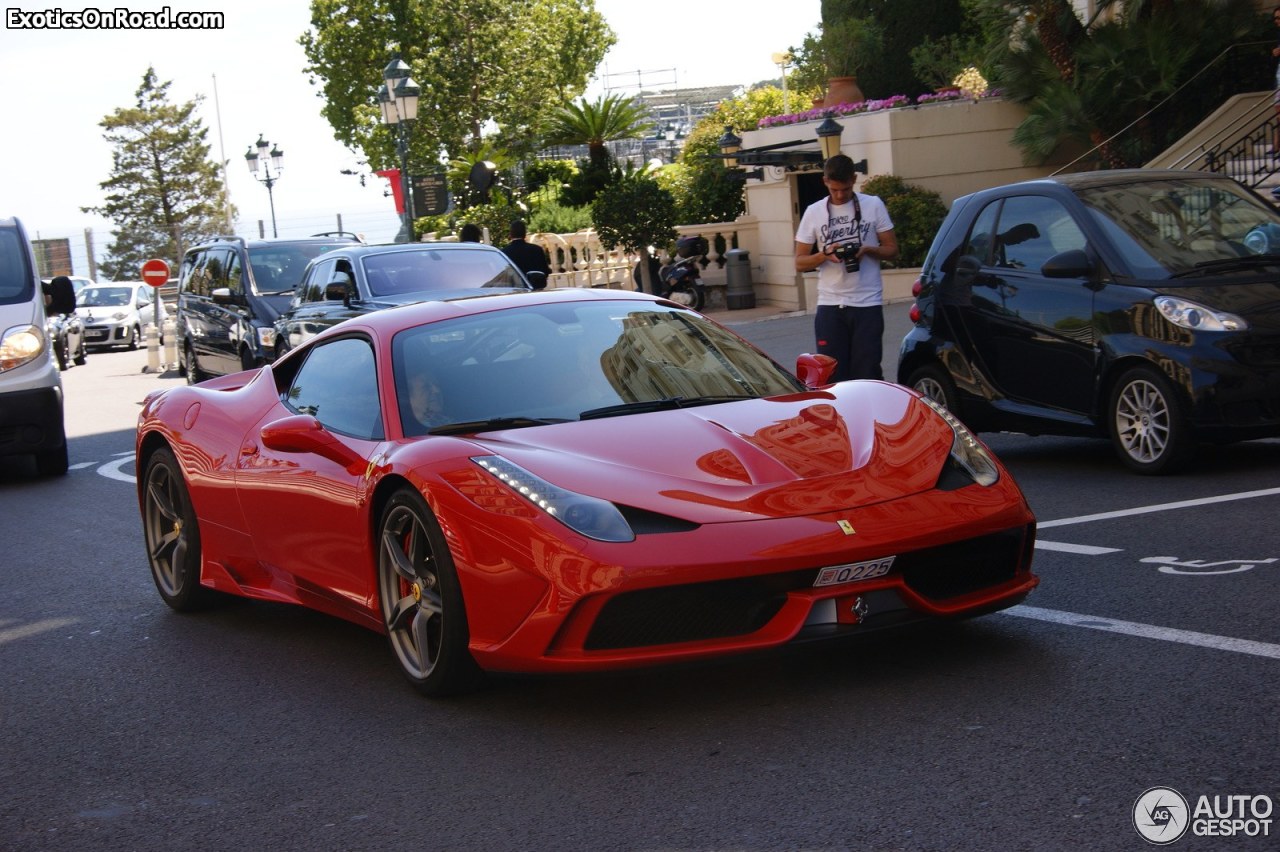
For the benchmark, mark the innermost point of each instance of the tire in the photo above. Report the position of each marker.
(1148, 423)
(421, 600)
(247, 361)
(192, 365)
(53, 462)
(82, 355)
(172, 535)
(63, 353)
(689, 295)
(933, 382)
(134, 334)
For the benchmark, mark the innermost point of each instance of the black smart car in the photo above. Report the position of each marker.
(1139, 305)
(357, 280)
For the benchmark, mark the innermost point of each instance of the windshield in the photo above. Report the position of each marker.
(422, 269)
(104, 297)
(1164, 228)
(16, 283)
(552, 363)
(278, 267)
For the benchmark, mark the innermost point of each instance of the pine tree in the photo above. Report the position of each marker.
(164, 192)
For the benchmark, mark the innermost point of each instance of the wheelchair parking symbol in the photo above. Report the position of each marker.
(1172, 565)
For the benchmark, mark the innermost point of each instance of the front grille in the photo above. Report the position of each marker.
(952, 570)
(692, 612)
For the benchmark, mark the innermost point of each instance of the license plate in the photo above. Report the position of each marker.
(93, 334)
(838, 574)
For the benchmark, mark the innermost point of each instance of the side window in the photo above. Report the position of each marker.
(981, 237)
(235, 274)
(1033, 229)
(214, 271)
(338, 386)
(313, 287)
(190, 277)
(144, 296)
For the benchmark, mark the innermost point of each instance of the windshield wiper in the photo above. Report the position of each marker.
(491, 424)
(1226, 264)
(665, 404)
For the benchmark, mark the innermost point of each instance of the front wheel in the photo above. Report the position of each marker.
(63, 350)
(193, 371)
(933, 382)
(1149, 428)
(82, 355)
(172, 535)
(421, 599)
(135, 334)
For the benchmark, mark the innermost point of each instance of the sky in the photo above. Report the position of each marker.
(57, 85)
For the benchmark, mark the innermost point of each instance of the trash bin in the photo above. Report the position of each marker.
(739, 292)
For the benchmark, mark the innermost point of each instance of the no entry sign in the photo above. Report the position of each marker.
(155, 272)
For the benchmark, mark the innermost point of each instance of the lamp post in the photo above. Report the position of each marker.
(398, 100)
(258, 162)
(783, 61)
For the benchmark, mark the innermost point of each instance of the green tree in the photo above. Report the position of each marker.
(163, 191)
(916, 213)
(633, 214)
(481, 64)
(608, 119)
(1094, 88)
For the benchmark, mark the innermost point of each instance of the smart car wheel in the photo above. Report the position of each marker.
(933, 382)
(172, 535)
(1148, 426)
(421, 600)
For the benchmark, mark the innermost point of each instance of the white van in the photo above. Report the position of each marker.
(30, 385)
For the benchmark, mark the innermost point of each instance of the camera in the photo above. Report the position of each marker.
(848, 252)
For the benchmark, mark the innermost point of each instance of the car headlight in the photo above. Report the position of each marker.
(20, 345)
(266, 337)
(966, 450)
(589, 516)
(1186, 314)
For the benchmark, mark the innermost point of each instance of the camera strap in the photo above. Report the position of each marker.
(857, 214)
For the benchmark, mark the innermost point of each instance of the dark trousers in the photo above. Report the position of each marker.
(854, 337)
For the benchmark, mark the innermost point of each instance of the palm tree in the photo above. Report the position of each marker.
(609, 119)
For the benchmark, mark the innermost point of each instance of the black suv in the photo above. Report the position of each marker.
(230, 292)
(357, 280)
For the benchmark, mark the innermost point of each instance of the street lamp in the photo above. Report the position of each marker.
(829, 136)
(783, 61)
(398, 100)
(257, 160)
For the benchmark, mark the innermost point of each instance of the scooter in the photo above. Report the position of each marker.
(680, 279)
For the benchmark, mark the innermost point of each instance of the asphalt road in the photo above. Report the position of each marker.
(1148, 657)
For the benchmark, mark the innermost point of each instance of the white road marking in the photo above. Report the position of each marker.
(111, 470)
(1148, 631)
(1081, 549)
(1160, 507)
(82, 465)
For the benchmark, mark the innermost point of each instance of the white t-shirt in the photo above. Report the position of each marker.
(823, 224)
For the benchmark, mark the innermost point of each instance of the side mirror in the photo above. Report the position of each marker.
(815, 370)
(537, 280)
(302, 433)
(1068, 264)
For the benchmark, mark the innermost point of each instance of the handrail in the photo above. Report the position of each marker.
(1146, 115)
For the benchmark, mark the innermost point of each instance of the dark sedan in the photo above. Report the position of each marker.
(354, 281)
(1138, 305)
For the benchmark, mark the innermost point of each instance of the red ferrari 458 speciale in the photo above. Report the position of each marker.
(572, 480)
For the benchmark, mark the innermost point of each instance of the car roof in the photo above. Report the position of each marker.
(334, 238)
(390, 321)
(1107, 177)
(362, 250)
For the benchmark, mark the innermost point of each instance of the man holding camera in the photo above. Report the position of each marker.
(845, 237)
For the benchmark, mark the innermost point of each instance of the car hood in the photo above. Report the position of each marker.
(854, 444)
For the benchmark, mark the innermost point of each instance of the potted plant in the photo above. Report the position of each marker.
(848, 45)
